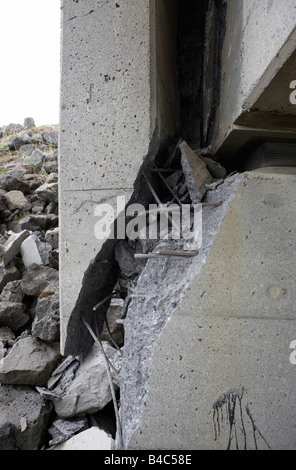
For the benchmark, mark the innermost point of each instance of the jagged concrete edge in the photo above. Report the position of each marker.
(141, 339)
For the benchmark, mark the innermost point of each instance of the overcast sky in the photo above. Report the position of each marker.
(30, 61)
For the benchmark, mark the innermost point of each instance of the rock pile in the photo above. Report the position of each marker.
(44, 398)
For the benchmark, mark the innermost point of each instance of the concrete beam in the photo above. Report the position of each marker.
(257, 68)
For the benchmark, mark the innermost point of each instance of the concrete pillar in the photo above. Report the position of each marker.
(114, 108)
(257, 67)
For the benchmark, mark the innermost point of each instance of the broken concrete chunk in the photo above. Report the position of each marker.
(4, 212)
(6, 335)
(29, 251)
(35, 251)
(114, 313)
(48, 192)
(36, 159)
(13, 315)
(50, 137)
(91, 439)
(125, 257)
(63, 366)
(24, 418)
(47, 316)
(29, 362)
(12, 246)
(7, 274)
(10, 183)
(12, 292)
(196, 173)
(36, 279)
(16, 200)
(38, 222)
(62, 429)
(90, 389)
(215, 168)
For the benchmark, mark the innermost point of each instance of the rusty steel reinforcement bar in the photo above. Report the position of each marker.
(163, 253)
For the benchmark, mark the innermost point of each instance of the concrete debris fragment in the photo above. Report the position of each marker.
(36, 279)
(34, 251)
(23, 425)
(29, 251)
(12, 292)
(46, 324)
(17, 200)
(7, 274)
(114, 313)
(52, 237)
(12, 246)
(196, 173)
(38, 222)
(215, 168)
(91, 439)
(62, 430)
(48, 192)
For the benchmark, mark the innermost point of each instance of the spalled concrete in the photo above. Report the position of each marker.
(227, 342)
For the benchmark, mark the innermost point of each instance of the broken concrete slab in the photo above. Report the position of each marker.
(90, 389)
(7, 274)
(36, 278)
(227, 341)
(196, 173)
(29, 362)
(29, 251)
(12, 245)
(24, 417)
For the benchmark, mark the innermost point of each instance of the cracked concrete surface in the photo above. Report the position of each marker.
(159, 290)
(230, 329)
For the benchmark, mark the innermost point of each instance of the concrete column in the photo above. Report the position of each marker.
(221, 375)
(113, 107)
(257, 68)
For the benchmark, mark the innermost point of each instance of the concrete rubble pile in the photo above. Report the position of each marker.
(45, 399)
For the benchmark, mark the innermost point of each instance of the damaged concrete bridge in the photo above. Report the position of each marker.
(170, 106)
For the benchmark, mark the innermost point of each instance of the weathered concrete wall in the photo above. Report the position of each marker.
(113, 104)
(260, 37)
(226, 347)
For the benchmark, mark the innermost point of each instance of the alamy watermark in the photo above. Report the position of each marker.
(175, 222)
(293, 94)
